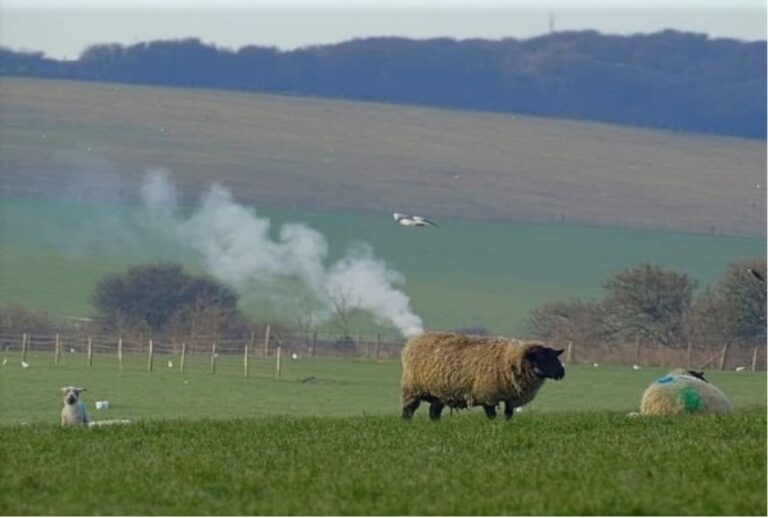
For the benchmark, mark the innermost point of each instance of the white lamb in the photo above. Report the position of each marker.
(73, 412)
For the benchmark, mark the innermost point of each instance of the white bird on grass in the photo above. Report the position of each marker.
(408, 220)
(636, 367)
(24, 364)
(739, 369)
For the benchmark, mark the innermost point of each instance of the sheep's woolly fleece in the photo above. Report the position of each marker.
(465, 371)
(682, 393)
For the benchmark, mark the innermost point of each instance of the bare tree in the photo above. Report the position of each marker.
(733, 311)
(707, 324)
(649, 304)
(18, 319)
(342, 305)
(579, 321)
(304, 318)
(743, 299)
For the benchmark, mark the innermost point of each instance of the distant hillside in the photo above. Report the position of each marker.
(68, 138)
(670, 80)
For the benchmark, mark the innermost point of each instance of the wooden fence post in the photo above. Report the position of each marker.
(90, 352)
(245, 361)
(689, 361)
(754, 358)
(378, 344)
(24, 347)
(183, 356)
(569, 354)
(359, 341)
(637, 352)
(314, 343)
(150, 357)
(119, 353)
(213, 358)
(277, 366)
(252, 343)
(724, 356)
(266, 340)
(57, 351)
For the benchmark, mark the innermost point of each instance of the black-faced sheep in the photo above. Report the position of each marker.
(683, 392)
(463, 371)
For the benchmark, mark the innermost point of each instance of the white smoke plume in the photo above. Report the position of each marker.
(237, 247)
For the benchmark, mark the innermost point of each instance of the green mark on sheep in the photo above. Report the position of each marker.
(690, 398)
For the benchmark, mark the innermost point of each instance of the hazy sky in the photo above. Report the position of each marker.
(63, 28)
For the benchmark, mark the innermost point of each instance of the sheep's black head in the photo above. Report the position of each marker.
(698, 374)
(545, 362)
(71, 394)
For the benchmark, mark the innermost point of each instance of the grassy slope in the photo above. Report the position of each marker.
(72, 155)
(340, 388)
(377, 158)
(465, 274)
(575, 464)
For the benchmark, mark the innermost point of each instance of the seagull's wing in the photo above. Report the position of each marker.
(399, 215)
(756, 275)
(425, 220)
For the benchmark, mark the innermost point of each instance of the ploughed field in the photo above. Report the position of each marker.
(332, 155)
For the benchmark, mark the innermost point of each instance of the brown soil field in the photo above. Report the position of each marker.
(331, 155)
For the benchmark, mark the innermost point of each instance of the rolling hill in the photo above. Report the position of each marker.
(328, 155)
(530, 209)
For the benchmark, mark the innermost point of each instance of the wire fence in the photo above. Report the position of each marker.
(329, 345)
(312, 344)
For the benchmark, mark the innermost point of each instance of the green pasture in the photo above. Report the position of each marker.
(464, 274)
(326, 439)
(316, 387)
(588, 463)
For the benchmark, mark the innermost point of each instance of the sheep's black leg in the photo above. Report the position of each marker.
(409, 407)
(490, 411)
(435, 409)
(509, 410)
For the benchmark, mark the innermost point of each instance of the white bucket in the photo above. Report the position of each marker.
(102, 405)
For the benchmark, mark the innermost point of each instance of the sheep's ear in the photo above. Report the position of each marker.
(558, 352)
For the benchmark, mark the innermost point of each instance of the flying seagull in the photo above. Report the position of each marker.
(756, 275)
(407, 220)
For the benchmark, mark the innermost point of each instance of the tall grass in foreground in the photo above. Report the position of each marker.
(558, 463)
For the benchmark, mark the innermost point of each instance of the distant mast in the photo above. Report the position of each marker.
(551, 23)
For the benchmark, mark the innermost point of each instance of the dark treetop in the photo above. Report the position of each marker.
(669, 80)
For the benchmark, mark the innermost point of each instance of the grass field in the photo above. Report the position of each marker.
(337, 446)
(464, 274)
(326, 438)
(339, 388)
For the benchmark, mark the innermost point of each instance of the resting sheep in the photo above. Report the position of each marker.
(73, 412)
(683, 392)
(463, 371)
